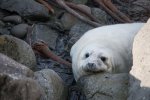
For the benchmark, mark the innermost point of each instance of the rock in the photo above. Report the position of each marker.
(139, 75)
(105, 86)
(63, 71)
(27, 8)
(20, 30)
(20, 89)
(13, 18)
(17, 50)
(45, 33)
(52, 84)
(139, 10)
(13, 68)
(80, 27)
(86, 8)
(68, 20)
(77, 31)
(102, 16)
(16, 81)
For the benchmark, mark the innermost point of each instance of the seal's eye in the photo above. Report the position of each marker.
(103, 59)
(87, 55)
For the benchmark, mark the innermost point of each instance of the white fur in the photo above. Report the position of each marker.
(112, 41)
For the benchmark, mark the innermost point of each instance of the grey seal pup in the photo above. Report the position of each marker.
(104, 49)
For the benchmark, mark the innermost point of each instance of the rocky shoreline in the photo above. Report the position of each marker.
(25, 72)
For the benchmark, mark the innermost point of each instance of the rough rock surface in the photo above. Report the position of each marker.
(16, 81)
(18, 50)
(28, 8)
(139, 75)
(105, 86)
(139, 10)
(68, 21)
(45, 33)
(52, 84)
(19, 89)
(102, 16)
(77, 31)
(13, 68)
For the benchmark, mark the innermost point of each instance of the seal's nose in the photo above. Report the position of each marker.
(91, 65)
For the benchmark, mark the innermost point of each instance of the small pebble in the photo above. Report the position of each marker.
(19, 30)
(13, 19)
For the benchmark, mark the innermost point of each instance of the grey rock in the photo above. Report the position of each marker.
(68, 21)
(27, 8)
(13, 18)
(45, 33)
(19, 89)
(105, 86)
(139, 10)
(12, 68)
(139, 75)
(17, 50)
(77, 31)
(102, 16)
(52, 84)
(16, 81)
(19, 30)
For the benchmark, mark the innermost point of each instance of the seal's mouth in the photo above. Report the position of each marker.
(99, 71)
(94, 69)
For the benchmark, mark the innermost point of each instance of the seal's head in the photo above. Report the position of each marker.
(94, 58)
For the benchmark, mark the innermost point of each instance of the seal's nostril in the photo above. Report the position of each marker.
(91, 64)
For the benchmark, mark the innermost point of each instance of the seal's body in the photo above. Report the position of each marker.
(107, 48)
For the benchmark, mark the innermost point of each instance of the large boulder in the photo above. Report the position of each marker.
(12, 68)
(138, 10)
(16, 81)
(18, 50)
(27, 8)
(45, 33)
(139, 75)
(77, 31)
(52, 84)
(105, 86)
(20, 89)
